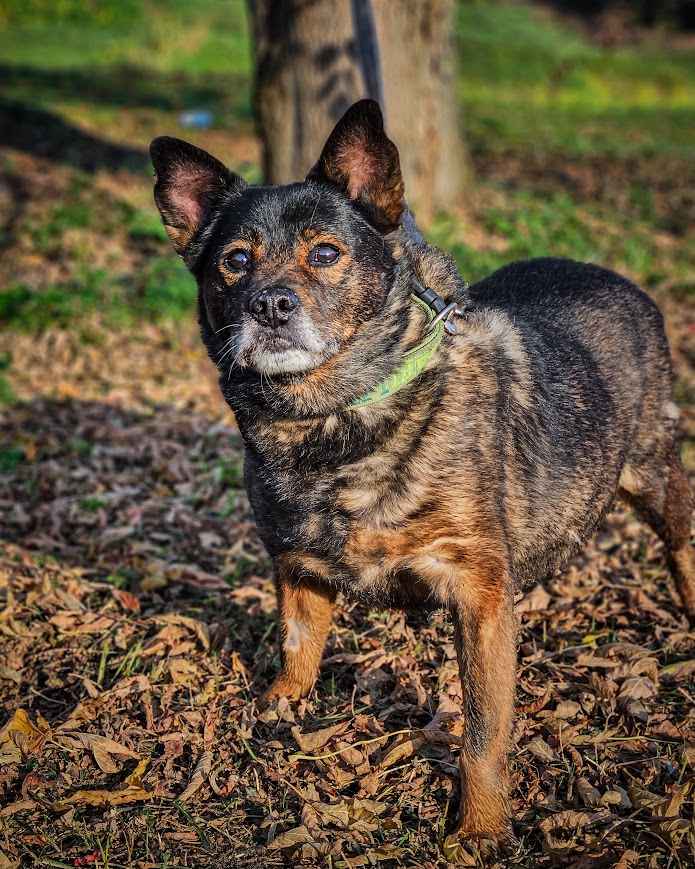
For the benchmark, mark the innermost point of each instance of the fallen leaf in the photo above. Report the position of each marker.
(101, 797)
(18, 806)
(561, 831)
(20, 736)
(197, 627)
(637, 688)
(534, 601)
(681, 670)
(7, 862)
(291, 838)
(102, 748)
(199, 777)
(132, 792)
(539, 748)
(616, 796)
(567, 709)
(338, 813)
(309, 742)
(590, 795)
(627, 859)
(126, 599)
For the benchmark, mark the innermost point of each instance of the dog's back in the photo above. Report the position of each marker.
(584, 375)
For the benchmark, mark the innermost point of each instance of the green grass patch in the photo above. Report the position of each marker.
(228, 474)
(10, 459)
(165, 54)
(528, 81)
(91, 505)
(534, 224)
(164, 290)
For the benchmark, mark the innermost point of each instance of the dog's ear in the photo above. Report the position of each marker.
(190, 183)
(362, 161)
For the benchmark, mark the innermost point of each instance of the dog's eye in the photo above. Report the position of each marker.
(323, 255)
(238, 260)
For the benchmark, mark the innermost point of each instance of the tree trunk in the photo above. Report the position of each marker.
(314, 58)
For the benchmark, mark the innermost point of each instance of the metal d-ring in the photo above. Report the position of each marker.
(451, 310)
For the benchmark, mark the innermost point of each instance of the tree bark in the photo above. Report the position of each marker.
(314, 58)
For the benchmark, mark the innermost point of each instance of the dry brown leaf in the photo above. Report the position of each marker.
(637, 688)
(10, 675)
(291, 838)
(681, 670)
(586, 659)
(8, 862)
(405, 748)
(616, 796)
(338, 813)
(567, 709)
(132, 792)
(18, 806)
(21, 736)
(590, 795)
(102, 748)
(104, 760)
(102, 797)
(135, 777)
(126, 599)
(197, 627)
(81, 623)
(561, 831)
(539, 748)
(534, 601)
(458, 851)
(318, 738)
(199, 777)
(182, 671)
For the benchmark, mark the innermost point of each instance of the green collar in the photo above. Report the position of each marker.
(414, 361)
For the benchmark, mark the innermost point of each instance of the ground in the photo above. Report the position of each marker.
(137, 629)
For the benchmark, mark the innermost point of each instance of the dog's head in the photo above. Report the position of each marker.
(289, 274)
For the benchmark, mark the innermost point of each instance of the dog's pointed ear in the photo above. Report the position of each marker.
(362, 161)
(190, 183)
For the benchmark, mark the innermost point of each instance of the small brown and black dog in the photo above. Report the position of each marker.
(401, 464)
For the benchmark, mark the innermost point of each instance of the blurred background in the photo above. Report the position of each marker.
(526, 129)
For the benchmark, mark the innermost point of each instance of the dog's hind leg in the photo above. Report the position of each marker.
(305, 613)
(664, 501)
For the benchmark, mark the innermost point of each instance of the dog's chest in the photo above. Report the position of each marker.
(367, 526)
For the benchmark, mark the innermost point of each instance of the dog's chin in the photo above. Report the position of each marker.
(287, 351)
(288, 361)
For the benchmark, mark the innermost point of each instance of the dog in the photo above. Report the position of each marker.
(411, 441)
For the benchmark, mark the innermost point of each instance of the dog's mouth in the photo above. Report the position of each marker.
(293, 349)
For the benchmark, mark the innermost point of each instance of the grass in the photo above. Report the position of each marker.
(166, 56)
(528, 81)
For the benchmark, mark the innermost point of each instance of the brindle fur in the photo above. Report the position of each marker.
(483, 475)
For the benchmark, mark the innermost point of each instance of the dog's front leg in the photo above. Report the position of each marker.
(485, 636)
(305, 611)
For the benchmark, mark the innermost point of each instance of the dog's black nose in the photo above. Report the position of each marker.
(273, 306)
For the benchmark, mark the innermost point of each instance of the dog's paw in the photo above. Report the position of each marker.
(284, 687)
(466, 849)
